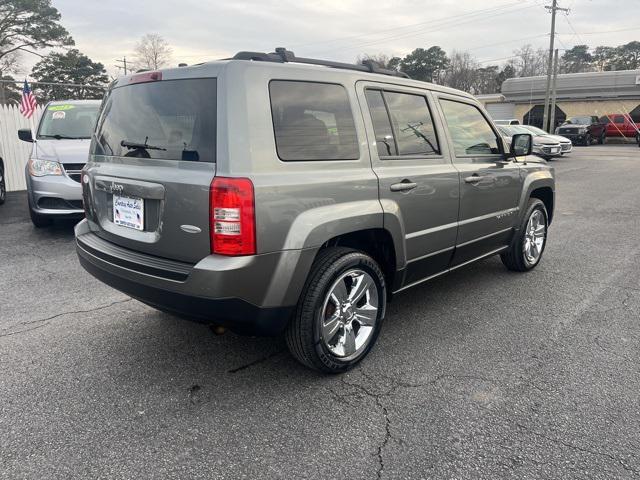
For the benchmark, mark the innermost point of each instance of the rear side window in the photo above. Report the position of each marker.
(619, 119)
(412, 124)
(381, 124)
(402, 123)
(312, 121)
(470, 132)
(169, 119)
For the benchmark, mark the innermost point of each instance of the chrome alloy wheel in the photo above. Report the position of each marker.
(349, 313)
(534, 237)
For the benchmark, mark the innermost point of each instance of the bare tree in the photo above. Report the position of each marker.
(9, 63)
(530, 62)
(462, 72)
(152, 52)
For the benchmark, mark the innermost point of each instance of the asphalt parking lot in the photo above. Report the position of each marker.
(480, 374)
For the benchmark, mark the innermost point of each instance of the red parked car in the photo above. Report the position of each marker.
(621, 125)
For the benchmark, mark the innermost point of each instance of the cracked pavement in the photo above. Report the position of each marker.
(481, 374)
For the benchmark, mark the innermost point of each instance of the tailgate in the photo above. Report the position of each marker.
(151, 165)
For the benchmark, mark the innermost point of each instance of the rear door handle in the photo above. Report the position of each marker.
(473, 179)
(403, 186)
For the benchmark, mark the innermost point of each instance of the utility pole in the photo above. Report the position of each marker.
(553, 8)
(124, 63)
(554, 83)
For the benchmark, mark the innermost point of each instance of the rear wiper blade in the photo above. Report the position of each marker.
(144, 146)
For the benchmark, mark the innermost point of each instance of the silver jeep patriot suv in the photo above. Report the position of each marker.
(273, 194)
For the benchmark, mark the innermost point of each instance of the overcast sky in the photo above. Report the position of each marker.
(340, 29)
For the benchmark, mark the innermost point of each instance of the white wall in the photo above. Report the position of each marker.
(13, 151)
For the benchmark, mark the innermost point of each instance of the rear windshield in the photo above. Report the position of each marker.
(169, 119)
(68, 121)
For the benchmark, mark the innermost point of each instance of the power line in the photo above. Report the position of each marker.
(124, 64)
(577, 35)
(445, 26)
(522, 39)
(411, 25)
(601, 32)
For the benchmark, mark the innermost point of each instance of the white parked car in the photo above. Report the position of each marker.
(510, 121)
(543, 146)
(565, 143)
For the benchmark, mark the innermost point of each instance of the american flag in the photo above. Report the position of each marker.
(28, 101)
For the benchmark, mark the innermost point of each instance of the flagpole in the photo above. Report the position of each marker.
(32, 124)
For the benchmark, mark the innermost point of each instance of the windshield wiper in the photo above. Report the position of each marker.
(140, 146)
(57, 136)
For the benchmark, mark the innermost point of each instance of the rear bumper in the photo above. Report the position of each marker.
(255, 295)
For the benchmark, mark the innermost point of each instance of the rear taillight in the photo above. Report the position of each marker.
(232, 221)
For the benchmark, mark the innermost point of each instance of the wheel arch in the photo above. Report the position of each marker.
(539, 184)
(378, 243)
(546, 195)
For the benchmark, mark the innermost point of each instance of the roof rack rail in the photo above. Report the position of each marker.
(282, 55)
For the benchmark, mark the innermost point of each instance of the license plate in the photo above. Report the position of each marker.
(555, 150)
(128, 212)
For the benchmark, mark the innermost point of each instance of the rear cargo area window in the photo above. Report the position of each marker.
(312, 121)
(168, 119)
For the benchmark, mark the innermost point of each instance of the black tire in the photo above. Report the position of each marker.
(3, 185)
(514, 258)
(304, 332)
(587, 140)
(39, 221)
(638, 139)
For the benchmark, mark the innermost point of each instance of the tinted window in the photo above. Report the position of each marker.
(412, 123)
(469, 130)
(381, 124)
(175, 119)
(68, 121)
(619, 119)
(312, 121)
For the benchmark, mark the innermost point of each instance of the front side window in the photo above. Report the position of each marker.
(470, 132)
(312, 121)
(61, 121)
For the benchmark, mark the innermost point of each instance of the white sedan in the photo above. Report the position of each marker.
(565, 144)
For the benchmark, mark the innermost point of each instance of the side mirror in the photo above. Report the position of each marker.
(24, 134)
(521, 145)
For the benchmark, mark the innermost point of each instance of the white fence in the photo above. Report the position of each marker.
(13, 151)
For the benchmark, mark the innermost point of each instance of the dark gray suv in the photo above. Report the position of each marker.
(270, 193)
